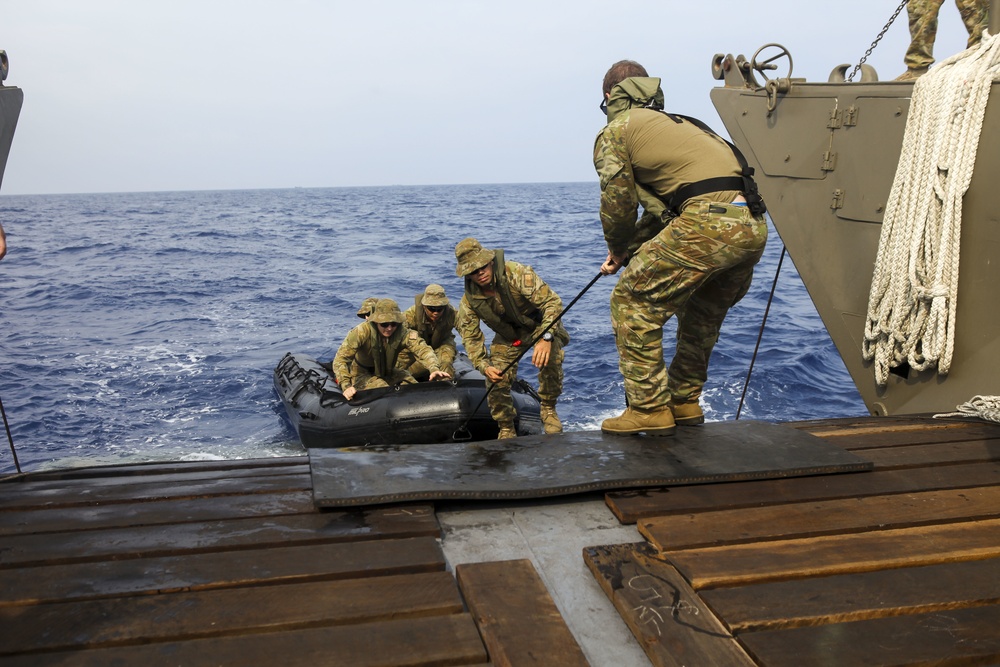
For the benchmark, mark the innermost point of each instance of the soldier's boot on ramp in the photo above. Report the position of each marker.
(688, 414)
(507, 430)
(634, 421)
(550, 420)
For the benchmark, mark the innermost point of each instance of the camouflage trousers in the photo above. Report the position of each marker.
(550, 378)
(923, 17)
(697, 268)
(363, 379)
(408, 362)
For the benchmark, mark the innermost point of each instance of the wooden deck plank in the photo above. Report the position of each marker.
(516, 616)
(629, 506)
(903, 430)
(140, 576)
(953, 637)
(204, 537)
(672, 624)
(913, 456)
(140, 513)
(174, 486)
(852, 597)
(126, 470)
(415, 642)
(184, 616)
(740, 564)
(850, 515)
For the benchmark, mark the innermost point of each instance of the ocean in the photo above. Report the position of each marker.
(145, 326)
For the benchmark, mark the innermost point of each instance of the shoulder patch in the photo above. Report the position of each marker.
(413, 334)
(529, 280)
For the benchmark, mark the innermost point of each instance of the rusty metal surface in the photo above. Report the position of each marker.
(569, 463)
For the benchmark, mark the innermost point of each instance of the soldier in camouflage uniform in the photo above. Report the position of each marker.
(923, 16)
(517, 305)
(696, 265)
(367, 357)
(433, 318)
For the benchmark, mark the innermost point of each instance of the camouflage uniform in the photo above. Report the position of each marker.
(697, 265)
(367, 360)
(439, 335)
(923, 17)
(538, 306)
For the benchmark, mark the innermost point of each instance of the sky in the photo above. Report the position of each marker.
(150, 95)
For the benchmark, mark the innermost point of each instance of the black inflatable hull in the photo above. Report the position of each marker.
(423, 413)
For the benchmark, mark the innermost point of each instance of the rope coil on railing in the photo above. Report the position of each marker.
(913, 299)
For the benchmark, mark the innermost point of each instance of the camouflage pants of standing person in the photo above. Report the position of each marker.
(408, 362)
(550, 378)
(365, 380)
(697, 268)
(923, 17)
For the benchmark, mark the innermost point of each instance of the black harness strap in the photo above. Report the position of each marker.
(743, 183)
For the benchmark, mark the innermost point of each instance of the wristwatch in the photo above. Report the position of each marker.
(547, 336)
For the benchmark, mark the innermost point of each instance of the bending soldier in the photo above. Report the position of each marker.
(517, 305)
(698, 267)
(433, 318)
(367, 357)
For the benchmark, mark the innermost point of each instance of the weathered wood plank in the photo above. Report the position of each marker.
(740, 564)
(828, 517)
(913, 456)
(953, 637)
(672, 624)
(179, 486)
(516, 616)
(167, 467)
(435, 640)
(91, 517)
(888, 432)
(629, 506)
(227, 569)
(852, 597)
(185, 616)
(203, 537)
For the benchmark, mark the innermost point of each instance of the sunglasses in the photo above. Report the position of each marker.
(435, 309)
(387, 325)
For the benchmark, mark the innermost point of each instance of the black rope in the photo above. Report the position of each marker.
(9, 438)
(760, 334)
(524, 349)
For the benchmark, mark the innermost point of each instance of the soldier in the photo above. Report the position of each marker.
(433, 318)
(367, 306)
(367, 357)
(696, 265)
(923, 16)
(517, 305)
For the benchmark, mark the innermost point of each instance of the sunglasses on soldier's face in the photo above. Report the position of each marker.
(435, 309)
(387, 325)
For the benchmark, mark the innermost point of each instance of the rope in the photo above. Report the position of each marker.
(984, 407)
(913, 299)
(760, 334)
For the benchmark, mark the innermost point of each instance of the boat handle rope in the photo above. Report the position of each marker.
(10, 439)
(760, 334)
(462, 433)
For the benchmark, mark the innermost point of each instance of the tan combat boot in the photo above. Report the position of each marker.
(550, 420)
(506, 430)
(911, 74)
(633, 421)
(688, 414)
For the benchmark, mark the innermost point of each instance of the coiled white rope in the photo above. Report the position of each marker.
(913, 299)
(984, 407)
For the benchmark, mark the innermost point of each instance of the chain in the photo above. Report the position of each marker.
(877, 40)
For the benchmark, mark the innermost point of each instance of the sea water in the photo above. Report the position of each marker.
(145, 326)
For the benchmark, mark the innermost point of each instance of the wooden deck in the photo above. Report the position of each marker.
(229, 562)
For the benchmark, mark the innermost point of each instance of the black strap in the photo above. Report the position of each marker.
(743, 183)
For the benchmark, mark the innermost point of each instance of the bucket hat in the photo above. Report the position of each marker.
(471, 255)
(367, 306)
(434, 296)
(387, 310)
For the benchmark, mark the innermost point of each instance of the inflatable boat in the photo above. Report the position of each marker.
(422, 413)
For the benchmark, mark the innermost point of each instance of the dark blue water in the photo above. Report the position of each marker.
(145, 326)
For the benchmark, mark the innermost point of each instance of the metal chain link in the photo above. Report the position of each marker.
(877, 40)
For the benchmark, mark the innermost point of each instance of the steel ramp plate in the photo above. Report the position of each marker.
(551, 465)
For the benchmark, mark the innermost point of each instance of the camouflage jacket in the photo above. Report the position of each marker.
(358, 349)
(535, 301)
(439, 335)
(642, 156)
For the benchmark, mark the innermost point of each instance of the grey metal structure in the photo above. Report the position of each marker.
(825, 156)
(11, 99)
